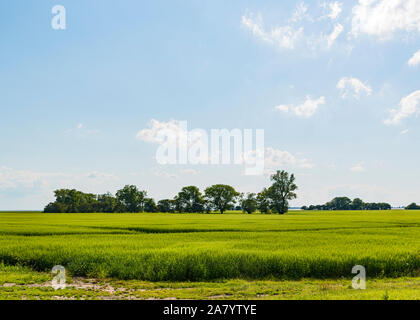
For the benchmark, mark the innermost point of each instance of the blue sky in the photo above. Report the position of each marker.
(320, 77)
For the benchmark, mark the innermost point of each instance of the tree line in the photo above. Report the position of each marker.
(412, 206)
(190, 199)
(344, 203)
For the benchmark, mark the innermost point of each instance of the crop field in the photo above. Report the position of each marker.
(198, 248)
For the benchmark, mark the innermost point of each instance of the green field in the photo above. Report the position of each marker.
(185, 248)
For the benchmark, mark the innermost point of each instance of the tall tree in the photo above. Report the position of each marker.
(282, 190)
(131, 198)
(189, 199)
(221, 197)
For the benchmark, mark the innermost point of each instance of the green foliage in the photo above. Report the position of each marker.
(193, 247)
(166, 206)
(263, 202)
(281, 191)
(128, 199)
(23, 283)
(221, 197)
(357, 204)
(150, 205)
(339, 203)
(344, 203)
(72, 201)
(189, 199)
(249, 204)
(413, 206)
(131, 199)
(108, 203)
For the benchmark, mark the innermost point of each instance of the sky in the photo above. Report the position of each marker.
(335, 85)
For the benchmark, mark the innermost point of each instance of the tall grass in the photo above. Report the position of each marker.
(171, 247)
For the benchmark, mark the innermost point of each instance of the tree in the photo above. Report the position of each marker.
(131, 198)
(412, 206)
(344, 203)
(249, 204)
(107, 203)
(73, 201)
(357, 204)
(150, 205)
(282, 190)
(208, 206)
(385, 206)
(221, 197)
(55, 207)
(189, 199)
(339, 203)
(263, 202)
(166, 205)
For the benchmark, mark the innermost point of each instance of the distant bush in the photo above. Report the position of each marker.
(344, 203)
(412, 206)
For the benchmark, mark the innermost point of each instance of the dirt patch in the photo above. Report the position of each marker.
(8, 285)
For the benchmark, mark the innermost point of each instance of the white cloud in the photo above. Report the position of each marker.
(282, 37)
(408, 106)
(335, 10)
(275, 159)
(358, 168)
(307, 109)
(172, 132)
(415, 59)
(80, 126)
(153, 134)
(301, 12)
(404, 131)
(382, 18)
(354, 86)
(338, 29)
(283, 108)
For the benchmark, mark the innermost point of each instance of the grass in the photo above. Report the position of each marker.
(198, 247)
(182, 248)
(21, 283)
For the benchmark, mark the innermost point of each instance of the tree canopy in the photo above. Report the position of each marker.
(281, 191)
(344, 203)
(249, 204)
(189, 199)
(221, 197)
(412, 206)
